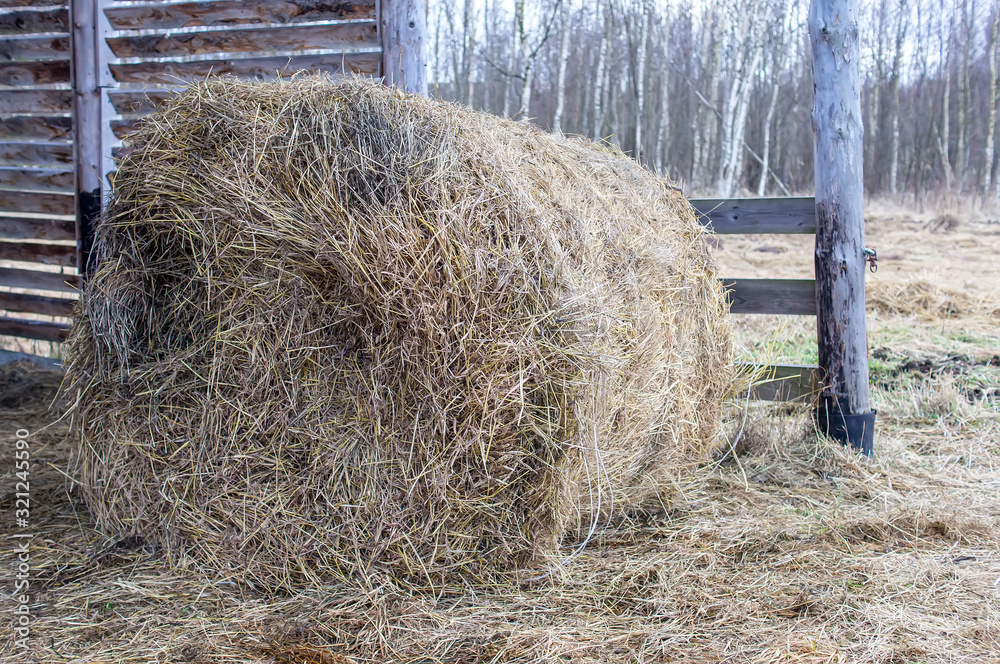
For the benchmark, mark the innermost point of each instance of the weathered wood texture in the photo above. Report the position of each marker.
(785, 382)
(757, 215)
(36, 179)
(37, 252)
(37, 127)
(27, 228)
(37, 102)
(37, 153)
(88, 127)
(260, 68)
(404, 44)
(32, 47)
(48, 281)
(137, 101)
(36, 164)
(340, 37)
(840, 233)
(793, 297)
(169, 15)
(37, 304)
(33, 3)
(33, 329)
(37, 72)
(35, 19)
(35, 202)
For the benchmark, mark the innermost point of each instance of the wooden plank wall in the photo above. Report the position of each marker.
(37, 236)
(150, 48)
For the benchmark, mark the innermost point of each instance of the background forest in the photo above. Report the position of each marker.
(718, 93)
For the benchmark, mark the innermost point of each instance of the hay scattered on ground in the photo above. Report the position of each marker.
(338, 332)
(791, 551)
(920, 296)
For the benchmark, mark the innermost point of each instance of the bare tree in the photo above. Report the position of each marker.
(640, 77)
(735, 75)
(750, 43)
(897, 60)
(663, 126)
(561, 78)
(991, 115)
(602, 53)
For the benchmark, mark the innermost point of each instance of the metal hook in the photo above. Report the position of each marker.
(872, 257)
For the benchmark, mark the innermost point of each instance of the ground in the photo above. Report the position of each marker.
(787, 548)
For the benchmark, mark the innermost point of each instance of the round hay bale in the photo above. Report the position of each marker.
(336, 331)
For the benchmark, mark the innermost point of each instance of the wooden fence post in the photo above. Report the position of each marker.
(845, 406)
(404, 53)
(86, 127)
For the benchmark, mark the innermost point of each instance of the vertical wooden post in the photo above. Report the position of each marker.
(404, 35)
(845, 406)
(86, 127)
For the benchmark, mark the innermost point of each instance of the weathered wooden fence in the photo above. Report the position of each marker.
(36, 169)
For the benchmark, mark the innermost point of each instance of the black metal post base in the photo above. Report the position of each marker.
(854, 429)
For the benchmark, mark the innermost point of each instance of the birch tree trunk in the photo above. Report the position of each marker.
(964, 93)
(469, 59)
(529, 63)
(944, 132)
(663, 128)
(514, 58)
(897, 60)
(737, 105)
(602, 53)
(765, 158)
(640, 79)
(991, 116)
(708, 119)
(561, 76)
(486, 44)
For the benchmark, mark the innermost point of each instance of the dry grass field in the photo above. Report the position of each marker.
(786, 549)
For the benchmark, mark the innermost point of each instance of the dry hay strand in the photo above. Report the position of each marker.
(336, 332)
(25, 386)
(921, 297)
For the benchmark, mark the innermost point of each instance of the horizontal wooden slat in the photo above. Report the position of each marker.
(36, 252)
(772, 296)
(40, 19)
(36, 179)
(784, 382)
(38, 72)
(34, 47)
(165, 15)
(23, 228)
(757, 215)
(40, 102)
(332, 37)
(33, 3)
(36, 304)
(122, 127)
(35, 153)
(32, 127)
(33, 329)
(138, 101)
(30, 201)
(34, 279)
(262, 68)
